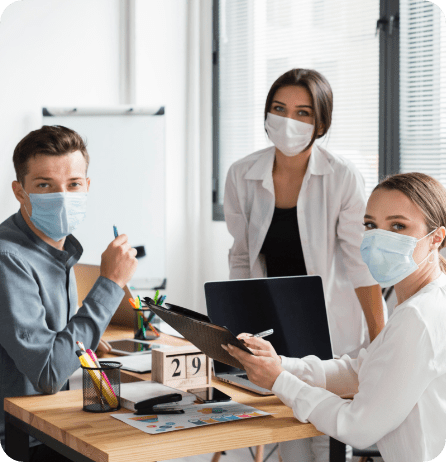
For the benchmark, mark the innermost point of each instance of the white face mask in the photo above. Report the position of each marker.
(389, 255)
(57, 214)
(288, 135)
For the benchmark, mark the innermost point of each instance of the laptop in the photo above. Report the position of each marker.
(86, 276)
(293, 306)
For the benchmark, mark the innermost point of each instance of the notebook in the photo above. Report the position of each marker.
(134, 392)
(293, 306)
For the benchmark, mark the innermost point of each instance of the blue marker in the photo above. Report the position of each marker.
(115, 231)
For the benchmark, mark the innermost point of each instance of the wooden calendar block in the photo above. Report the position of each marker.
(181, 367)
(195, 366)
(175, 367)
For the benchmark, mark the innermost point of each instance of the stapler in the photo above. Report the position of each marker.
(151, 406)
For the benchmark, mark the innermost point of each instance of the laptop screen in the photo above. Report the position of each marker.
(293, 306)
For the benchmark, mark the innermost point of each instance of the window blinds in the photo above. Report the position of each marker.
(261, 39)
(422, 89)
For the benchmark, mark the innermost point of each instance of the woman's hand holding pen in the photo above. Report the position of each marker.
(262, 369)
(259, 346)
(118, 262)
(264, 366)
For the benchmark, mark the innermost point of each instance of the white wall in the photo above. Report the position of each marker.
(174, 68)
(52, 52)
(160, 79)
(65, 53)
(213, 257)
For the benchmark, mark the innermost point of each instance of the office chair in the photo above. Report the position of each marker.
(367, 453)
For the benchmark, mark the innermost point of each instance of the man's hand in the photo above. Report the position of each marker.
(118, 262)
(262, 369)
(259, 346)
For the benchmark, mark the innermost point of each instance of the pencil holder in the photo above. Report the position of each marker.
(101, 387)
(143, 329)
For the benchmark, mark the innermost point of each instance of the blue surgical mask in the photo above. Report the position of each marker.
(389, 255)
(57, 214)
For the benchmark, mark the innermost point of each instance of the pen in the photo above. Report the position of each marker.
(141, 319)
(265, 333)
(115, 231)
(136, 303)
(154, 330)
(151, 316)
(166, 410)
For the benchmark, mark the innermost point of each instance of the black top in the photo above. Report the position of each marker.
(282, 247)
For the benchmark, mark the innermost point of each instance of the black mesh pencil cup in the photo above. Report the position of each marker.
(101, 387)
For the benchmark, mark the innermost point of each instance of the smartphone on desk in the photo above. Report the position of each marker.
(210, 395)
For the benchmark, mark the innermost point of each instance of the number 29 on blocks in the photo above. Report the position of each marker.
(181, 367)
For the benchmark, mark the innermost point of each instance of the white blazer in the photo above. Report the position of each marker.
(330, 213)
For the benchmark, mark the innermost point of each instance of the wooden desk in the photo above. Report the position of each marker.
(59, 422)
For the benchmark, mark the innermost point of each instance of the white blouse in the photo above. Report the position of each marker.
(330, 213)
(399, 381)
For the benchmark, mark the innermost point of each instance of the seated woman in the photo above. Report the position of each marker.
(399, 381)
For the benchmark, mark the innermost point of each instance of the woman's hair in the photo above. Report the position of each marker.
(428, 194)
(319, 90)
(49, 140)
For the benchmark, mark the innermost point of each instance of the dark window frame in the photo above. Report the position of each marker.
(389, 58)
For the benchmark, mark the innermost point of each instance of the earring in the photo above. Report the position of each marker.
(433, 257)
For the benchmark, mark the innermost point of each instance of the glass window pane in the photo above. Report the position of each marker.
(422, 88)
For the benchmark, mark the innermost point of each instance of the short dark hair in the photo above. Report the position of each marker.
(320, 91)
(50, 140)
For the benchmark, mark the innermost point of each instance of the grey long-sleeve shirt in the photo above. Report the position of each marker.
(39, 325)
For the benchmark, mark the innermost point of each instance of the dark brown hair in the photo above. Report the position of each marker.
(428, 194)
(49, 140)
(319, 90)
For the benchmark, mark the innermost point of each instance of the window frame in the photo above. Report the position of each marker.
(389, 58)
(389, 88)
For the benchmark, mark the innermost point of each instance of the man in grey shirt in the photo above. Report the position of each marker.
(40, 323)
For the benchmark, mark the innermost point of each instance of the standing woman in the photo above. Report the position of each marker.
(296, 209)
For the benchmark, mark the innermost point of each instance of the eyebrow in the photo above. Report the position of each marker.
(303, 105)
(390, 217)
(49, 179)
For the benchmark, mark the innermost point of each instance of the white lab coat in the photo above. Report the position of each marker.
(401, 378)
(330, 213)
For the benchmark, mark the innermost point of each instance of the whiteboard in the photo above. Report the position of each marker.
(127, 172)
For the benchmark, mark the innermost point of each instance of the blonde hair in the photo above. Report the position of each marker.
(426, 192)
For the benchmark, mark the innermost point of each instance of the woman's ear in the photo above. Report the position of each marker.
(439, 236)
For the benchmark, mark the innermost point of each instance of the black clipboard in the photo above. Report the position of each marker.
(200, 331)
